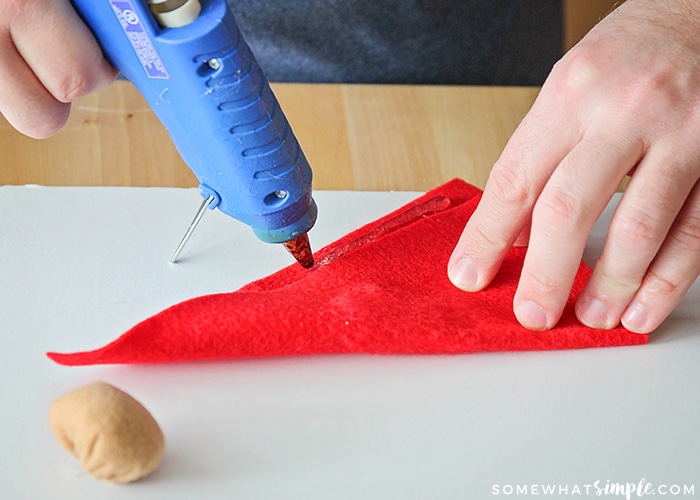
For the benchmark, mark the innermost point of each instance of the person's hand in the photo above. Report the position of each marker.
(625, 100)
(48, 58)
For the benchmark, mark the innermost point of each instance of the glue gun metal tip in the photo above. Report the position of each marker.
(300, 248)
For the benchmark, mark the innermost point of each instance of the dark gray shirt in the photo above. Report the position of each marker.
(481, 42)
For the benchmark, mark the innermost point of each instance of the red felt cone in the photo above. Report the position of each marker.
(382, 289)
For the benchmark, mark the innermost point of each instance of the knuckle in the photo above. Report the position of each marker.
(686, 233)
(485, 240)
(610, 282)
(659, 285)
(576, 70)
(89, 75)
(545, 285)
(636, 228)
(509, 186)
(73, 86)
(558, 209)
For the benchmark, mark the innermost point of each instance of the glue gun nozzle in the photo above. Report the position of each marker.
(301, 250)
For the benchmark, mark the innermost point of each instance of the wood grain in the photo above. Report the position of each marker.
(359, 137)
(581, 15)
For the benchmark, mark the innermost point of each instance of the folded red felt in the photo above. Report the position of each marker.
(382, 289)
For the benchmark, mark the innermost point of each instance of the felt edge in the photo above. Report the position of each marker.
(94, 357)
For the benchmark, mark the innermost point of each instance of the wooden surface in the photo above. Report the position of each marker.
(360, 137)
(355, 136)
(581, 15)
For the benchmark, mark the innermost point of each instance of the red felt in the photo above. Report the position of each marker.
(382, 289)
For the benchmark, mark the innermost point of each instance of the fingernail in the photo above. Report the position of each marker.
(464, 274)
(635, 317)
(593, 313)
(531, 316)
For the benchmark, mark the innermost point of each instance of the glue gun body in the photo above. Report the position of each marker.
(200, 78)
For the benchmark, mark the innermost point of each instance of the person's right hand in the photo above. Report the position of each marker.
(48, 58)
(623, 101)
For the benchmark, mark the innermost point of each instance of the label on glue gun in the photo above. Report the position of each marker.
(139, 39)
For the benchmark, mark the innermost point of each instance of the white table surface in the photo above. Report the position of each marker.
(79, 266)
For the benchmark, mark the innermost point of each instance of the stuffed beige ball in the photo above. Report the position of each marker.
(112, 435)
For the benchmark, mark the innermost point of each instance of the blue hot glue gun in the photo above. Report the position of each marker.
(188, 59)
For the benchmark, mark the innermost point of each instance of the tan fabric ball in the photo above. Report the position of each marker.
(112, 435)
